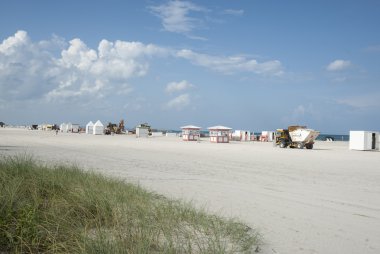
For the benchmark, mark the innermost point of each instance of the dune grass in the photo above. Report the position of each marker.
(62, 209)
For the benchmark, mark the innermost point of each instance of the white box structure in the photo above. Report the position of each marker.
(241, 135)
(364, 140)
(157, 134)
(142, 132)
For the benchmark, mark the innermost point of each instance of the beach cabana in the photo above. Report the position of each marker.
(90, 127)
(62, 127)
(267, 136)
(191, 133)
(364, 140)
(75, 128)
(98, 128)
(219, 134)
(241, 135)
(142, 131)
(68, 127)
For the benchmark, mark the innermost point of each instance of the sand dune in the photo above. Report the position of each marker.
(325, 200)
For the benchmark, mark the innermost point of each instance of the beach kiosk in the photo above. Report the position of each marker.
(98, 128)
(191, 133)
(364, 140)
(90, 128)
(219, 134)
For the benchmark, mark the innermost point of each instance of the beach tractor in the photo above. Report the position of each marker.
(296, 137)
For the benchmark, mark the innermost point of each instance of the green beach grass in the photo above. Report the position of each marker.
(62, 209)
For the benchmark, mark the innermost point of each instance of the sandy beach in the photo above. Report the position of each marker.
(325, 200)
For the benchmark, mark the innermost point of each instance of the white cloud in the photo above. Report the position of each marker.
(179, 102)
(31, 70)
(175, 16)
(233, 12)
(232, 64)
(373, 48)
(338, 65)
(365, 101)
(178, 86)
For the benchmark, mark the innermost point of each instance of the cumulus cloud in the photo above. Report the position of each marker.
(232, 64)
(338, 65)
(179, 102)
(30, 70)
(178, 86)
(175, 16)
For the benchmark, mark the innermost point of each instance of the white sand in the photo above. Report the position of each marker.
(325, 200)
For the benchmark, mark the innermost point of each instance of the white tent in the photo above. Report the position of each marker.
(62, 127)
(98, 128)
(75, 128)
(68, 127)
(364, 140)
(90, 128)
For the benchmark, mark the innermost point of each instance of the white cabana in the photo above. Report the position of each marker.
(267, 136)
(142, 131)
(191, 133)
(90, 128)
(241, 135)
(75, 128)
(364, 140)
(98, 128)
(219, 134)
(62, 127)
(68, 127)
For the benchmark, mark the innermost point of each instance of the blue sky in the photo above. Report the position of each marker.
(256, 65)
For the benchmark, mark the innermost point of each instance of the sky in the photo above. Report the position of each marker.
(245, 64)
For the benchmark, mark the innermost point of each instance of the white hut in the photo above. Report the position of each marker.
(364, 140)
(62, 127)
(90, 128)
(98, 128)
(267, 136)
(191, 133)
(75, 128)
(142, 131)
(68, 127)
(241, 135)
(219, 134)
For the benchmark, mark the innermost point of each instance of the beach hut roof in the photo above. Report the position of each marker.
(191, 127)
(219, 127)
(98, 123)
(90, 123)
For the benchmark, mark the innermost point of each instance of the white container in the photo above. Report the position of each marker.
(364, 140)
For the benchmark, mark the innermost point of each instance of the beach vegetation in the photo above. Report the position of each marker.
(63, 209)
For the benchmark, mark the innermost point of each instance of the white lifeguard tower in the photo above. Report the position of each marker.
(191, 133)
(219, 134)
